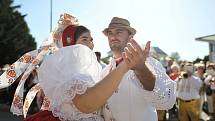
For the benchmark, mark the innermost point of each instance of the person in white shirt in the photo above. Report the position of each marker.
(145, 87)
(210, 86)
(188, 94)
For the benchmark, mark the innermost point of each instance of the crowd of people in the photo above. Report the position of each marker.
(195, 90)
(67, 81)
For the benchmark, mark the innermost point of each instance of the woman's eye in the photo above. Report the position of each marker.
(84, 40)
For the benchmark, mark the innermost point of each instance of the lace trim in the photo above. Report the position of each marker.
(62, 105)
(163, 94)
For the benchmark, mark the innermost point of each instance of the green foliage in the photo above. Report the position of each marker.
(197, 60)
(206, 58)
(105, 60)
(15, 37)
(175, 56)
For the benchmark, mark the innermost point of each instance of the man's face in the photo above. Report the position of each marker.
(118, 38)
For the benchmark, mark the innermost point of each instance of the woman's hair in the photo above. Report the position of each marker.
(79, 31)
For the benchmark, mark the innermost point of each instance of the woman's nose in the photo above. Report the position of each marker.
(91, 45)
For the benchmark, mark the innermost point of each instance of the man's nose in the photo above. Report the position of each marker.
(113, 37)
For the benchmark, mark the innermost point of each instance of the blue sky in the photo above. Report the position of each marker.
(172, 25)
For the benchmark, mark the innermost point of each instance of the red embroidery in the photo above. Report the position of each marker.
(17, 101)
(11, 73)
(46, 103)
(46, 48)
(35, 62)
(36, 87)
(26, 105)
(27, 58)
(24, 77)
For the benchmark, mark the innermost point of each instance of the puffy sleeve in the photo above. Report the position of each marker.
(63, 75)
(62, 98)
(163, 96)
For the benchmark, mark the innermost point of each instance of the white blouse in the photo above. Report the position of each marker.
(189, 88)
(62, 75)
(131, 102)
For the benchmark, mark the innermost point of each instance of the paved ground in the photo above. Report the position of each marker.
(6, 115)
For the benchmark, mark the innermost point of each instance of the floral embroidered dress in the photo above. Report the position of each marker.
(66, 73)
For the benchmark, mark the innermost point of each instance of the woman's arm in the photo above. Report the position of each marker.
(97, 95)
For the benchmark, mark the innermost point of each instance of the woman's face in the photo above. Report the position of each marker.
(86, 39)
(175, 70)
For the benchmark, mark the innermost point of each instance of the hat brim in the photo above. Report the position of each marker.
(130, 29)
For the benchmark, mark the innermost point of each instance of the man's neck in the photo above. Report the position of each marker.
(117, 55)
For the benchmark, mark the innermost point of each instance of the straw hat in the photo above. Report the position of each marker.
(117, 22)
(199, 65)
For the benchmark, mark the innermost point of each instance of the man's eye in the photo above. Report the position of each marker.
(119, 32)
(110, 33)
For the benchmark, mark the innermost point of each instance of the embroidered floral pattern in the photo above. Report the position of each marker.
(30, 97)
(46, 103)
(11, 74)
(27, 58)
(35, 62)
(36, 87)
(17, 102)
(24, 77)
(26, 105)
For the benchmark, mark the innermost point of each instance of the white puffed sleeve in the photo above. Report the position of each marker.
(63, 75)
(163, 96)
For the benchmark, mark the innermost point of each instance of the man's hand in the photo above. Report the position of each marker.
(135, 59)
(135, 56)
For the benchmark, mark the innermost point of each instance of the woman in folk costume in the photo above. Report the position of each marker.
(67, 76)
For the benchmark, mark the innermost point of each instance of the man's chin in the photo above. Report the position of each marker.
(116, 48)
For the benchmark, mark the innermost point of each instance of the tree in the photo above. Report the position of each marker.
(175, 56)
(197, 60)
(15, 37)
(206, 58)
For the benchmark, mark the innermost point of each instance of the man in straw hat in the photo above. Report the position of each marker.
(145, 87)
